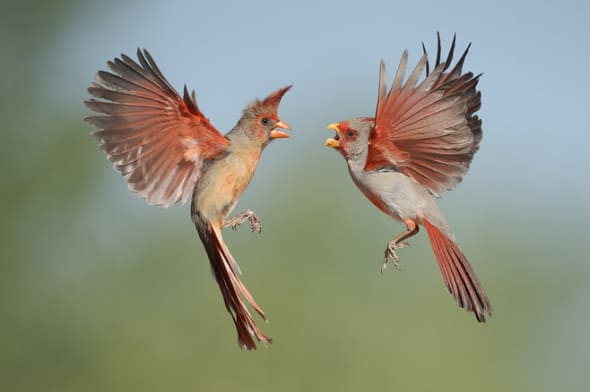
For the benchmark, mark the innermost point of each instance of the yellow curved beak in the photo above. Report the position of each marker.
(276, 133)
(333, 142)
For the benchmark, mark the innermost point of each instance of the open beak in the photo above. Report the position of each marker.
(278, 134)
(333, 142)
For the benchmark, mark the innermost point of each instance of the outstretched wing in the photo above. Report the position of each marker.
(157, 140)
(429, 131)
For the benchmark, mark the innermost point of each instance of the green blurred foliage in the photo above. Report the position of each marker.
(101, 293)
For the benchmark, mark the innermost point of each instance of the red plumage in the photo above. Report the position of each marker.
(427, 130)
(419, 145)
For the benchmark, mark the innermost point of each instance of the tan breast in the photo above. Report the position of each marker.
(222, 183)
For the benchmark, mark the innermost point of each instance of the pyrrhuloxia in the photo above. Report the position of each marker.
(167, 150)
(419, 145)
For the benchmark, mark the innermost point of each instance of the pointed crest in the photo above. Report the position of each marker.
(269, 104)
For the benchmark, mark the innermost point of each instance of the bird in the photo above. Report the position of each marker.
(167, 151)
(420, 144)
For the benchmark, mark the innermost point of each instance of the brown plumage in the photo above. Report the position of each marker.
(167, 150)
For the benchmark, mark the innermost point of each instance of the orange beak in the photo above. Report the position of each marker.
(276, 133)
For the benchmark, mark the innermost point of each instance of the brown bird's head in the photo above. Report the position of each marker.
(260, 120)
(352, 137)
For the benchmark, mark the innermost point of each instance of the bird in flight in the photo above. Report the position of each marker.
(168, 151)
(418, 145)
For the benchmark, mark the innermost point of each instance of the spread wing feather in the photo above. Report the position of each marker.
(427, 129)
(156, 139)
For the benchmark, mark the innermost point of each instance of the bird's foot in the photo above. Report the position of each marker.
(247, 215)
(255, 225)
(390, 254)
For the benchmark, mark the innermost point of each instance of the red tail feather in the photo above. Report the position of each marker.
(225, 271)
(458, 274)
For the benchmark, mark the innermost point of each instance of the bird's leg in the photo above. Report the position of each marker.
(396, 243)
(247, 215)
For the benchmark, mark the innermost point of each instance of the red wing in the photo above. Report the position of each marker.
(155, 139)
(428, 131)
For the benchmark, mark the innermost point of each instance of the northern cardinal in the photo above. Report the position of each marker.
(419, 145)
(167, 150)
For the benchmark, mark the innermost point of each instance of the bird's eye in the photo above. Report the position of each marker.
(350, 133)
(264, 121)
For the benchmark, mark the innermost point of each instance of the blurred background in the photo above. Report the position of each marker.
(100, 292)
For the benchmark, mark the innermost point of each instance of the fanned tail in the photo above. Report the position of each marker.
(458, 274)
(226, 273)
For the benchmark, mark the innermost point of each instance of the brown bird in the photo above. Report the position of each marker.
(167, 150)
(419, 145)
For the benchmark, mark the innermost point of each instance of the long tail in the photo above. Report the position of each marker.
(226, 273)
(458, 274)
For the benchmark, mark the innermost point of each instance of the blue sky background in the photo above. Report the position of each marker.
(531, 54)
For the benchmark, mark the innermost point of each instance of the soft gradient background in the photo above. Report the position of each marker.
(99, 292)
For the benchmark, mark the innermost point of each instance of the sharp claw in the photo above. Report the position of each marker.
(391, 255)
(394, 259)
(255, 225)
(249, 215)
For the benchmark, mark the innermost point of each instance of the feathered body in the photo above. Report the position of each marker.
(419, 145)
(167, 150)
